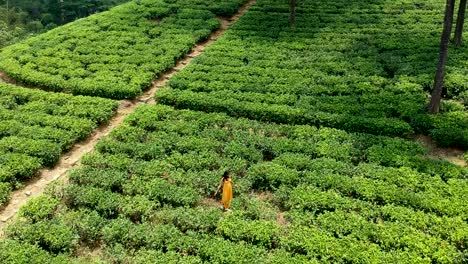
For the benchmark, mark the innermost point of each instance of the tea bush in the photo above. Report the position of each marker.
(302, 194)
(316, 176)
(36, 127)
(357, 66)
(114, 54)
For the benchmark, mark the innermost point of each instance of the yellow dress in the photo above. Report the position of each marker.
(227, 193)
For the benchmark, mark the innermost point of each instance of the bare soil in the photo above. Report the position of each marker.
(4, 78)
(210, 202)
(280, 219)
(71, 159)
(264, 196)
(452, 155)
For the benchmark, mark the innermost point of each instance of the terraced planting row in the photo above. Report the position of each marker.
(302, 195)
(304, 191)
(353, 65)
(36, 127)
(115, 54)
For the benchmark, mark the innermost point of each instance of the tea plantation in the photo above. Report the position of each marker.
(361, 66)
(36, 126)
(302, 195)
(115, 54)
(313, 122)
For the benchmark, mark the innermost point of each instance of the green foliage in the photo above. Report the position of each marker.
(301, 193)
(257, 232)
(52, 236)
(106, 203)
(271, 176)
(464, 97)
(162, 191)
(218, 250)
(360, 67)
(450, 129)
(394, 153)
(114, 54)
(132, 236)
(185, 219)
(254, 208)
(9, 34)
(36, 127)
(282, 114)
(86, 223)
(5, 191)
(46, 151)
(39, 208)
(14, 252)
(159, 257)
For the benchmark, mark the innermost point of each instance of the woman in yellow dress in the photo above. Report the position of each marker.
(226, 184)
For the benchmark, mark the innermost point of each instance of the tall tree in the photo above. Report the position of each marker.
(443, 55)
(292, 14)
(460, 22)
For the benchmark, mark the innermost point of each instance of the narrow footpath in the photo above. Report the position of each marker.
(71, 159)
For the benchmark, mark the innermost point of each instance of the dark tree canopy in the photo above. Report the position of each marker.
(52, 10)
(21, 18)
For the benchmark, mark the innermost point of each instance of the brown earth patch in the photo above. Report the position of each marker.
(452, 155)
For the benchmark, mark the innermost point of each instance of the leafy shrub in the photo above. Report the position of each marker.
(464, 97)
(310, 193)
(315, 243)
(5, 191)
(36, 127)
(161, 191)
(153, 256)
(114, 54)
(378, 87)
(86, 223)
(447, 137)
(284, 257)
(394, 153)
(219, 250)
(42, 149)
(281, 114)
(254, 208)
(196, 219)
(12, 251)
(257, 232)
(269, 176)
(132, 236)
(39, 208)
(106, 203)
(52, 235)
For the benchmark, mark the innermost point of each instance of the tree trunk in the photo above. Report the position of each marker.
(443, 54)
(292, 9)
(460, 22)
(7, 12)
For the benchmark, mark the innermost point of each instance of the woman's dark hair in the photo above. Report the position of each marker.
(226, 175)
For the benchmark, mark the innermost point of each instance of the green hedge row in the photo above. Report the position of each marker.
(362, 67)
(306, 203)
(277, 112)
(301, 194)
(114, 54)
(36, 127)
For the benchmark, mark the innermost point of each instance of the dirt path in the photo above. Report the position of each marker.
(71, 159)
(452, 155)
(5, 78)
